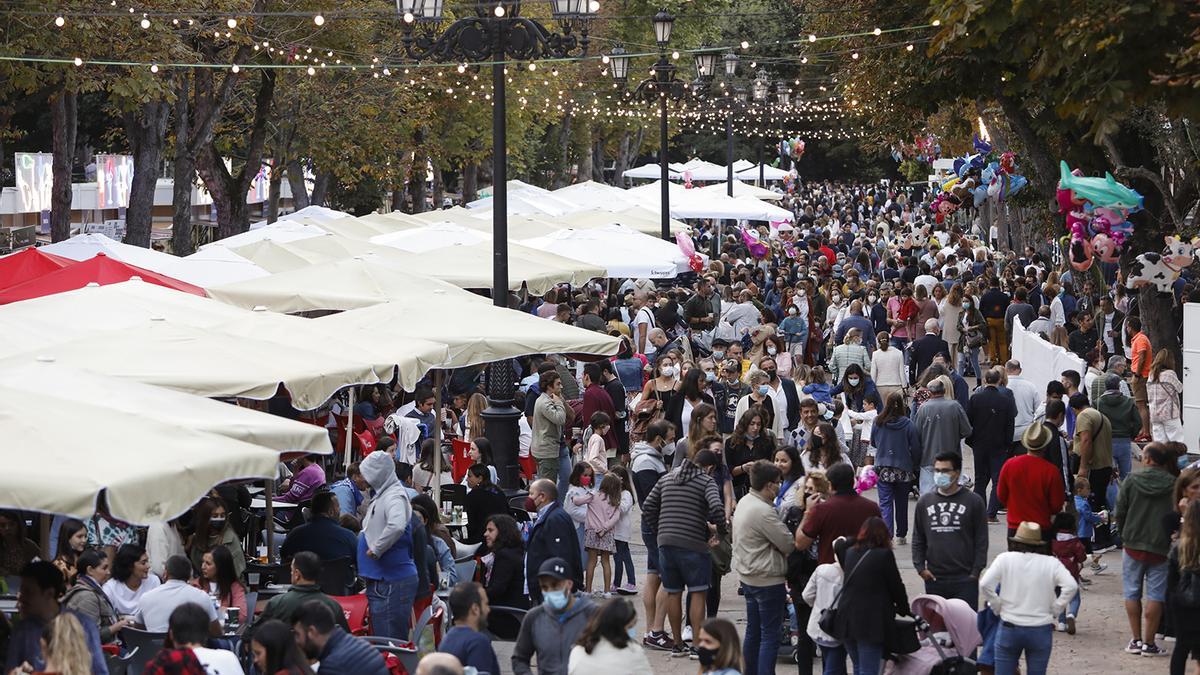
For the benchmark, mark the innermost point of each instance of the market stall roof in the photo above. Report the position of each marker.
(698, 169)
(362, 228)
(276, 256)
(741, 189)
(75, 315)
(217, 265)
(28, 264)
(640, 218)
(695, 203)
(359, 281)
(433, 236)
(470, 266)
(198, 270)
(624, 252)
(649, 172)
(313, 215)
(593, 195)
(101, 270)
(280, 230)
(527, 202)
(769, 173)
(476, 333)
(152, 467)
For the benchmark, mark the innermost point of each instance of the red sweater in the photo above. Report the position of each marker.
(1031, 489)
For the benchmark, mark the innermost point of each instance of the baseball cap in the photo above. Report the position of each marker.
(555, 568)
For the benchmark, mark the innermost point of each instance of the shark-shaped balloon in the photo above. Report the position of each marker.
(1105, 192)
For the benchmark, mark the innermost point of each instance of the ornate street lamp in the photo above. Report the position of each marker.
(664, 22)
(731, 64)
(495, 31)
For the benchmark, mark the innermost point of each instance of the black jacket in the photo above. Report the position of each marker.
(793, 404)
(991, 413)
(871, 597)
(923, 350)
(505, 586)
(481, 503)
(552, 536)
(994, 303)
(674, 410)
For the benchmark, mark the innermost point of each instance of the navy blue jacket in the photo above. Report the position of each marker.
(868, 393)
(345, 654)
(322, 536)
(897, 444)
(553, 535)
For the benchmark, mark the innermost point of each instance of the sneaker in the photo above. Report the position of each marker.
(1060, 627)
(693, 654)
(1134, 647)
(1003, 512)
(628, 589)
(687, 633)
(993, 520)
(1070, 624)
(901, 541)
(1142, 438)
(1104, 549)
(1153, 650)
(680, 650)
(1097, 568)
(658, 641)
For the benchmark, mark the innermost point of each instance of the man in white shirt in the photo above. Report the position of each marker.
(189, 630)
(643, 321)
(1026, 395)
(157, 605)
(743, 316)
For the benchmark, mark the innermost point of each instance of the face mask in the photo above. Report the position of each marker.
(670, 371)
(837, 298)
(707, 656)
(967, 305)
(585, 481)
(763, 390)
(871, 299)
(942, 480)
(555, 600)
(772, 351)
(828, 415)
(718, 355)
(710, 376)
(217, 523)
(853, 381)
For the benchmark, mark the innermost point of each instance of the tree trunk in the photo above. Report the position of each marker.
(585, 160)
(65, 119)
(398, 193)
(563, 175)
(470, 182)
(146, 130)
(416, 186)
(439, 188)
(598, 160)
(295, 177)
(622, 161)
(1045, 169)
(273, 195)
(185, 173)
(320, 188)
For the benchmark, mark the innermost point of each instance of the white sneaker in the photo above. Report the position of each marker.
(1060, 627)
(687, 633)
(901, 541)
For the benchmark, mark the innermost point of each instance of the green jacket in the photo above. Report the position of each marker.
(1121, 413)
(1145, 497)
(284, 606)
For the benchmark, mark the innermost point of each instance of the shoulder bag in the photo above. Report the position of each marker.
(828, 619)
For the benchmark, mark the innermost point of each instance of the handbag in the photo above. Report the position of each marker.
(975, 338)
(827, 621)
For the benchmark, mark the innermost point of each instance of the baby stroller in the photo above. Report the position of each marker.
(948, 636)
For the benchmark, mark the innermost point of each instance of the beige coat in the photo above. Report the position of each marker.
(761, 542)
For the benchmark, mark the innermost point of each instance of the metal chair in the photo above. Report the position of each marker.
(405, 652)
(337, 576)
(504, 623)
(466, 569)
(464, 551)
(141, 648)
(355, 609)
(454, 493)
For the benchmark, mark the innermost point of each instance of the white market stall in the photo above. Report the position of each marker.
(624, 252)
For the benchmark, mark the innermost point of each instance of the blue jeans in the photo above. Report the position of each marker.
(1072, 608)
(833, 660)
(893, 502)
(1035, 641)
(1123, 456)
(867, 657)
(965, 589)
(970, 356)
(623, 562)
(764, 612)
(391, 603)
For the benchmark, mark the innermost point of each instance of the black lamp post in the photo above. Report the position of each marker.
(497, 32)
(662, 86)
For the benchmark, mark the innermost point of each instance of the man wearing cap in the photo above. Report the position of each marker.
(1126, 423)
(552, 534)
(1034, 588)
(551, 629)
(1030, 486)
(942, 424)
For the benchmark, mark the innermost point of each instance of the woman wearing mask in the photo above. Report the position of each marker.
(856, 391)
(887, 367)
(876, 311)
(131, 579)
(851, 351)
(665, 384)
(794, 329)
(749, 443)
(691, 396)
(974, 337)
(776, 349)
(72, 539)
(609, 643)
(1183, 590)
(719, 649)
(823, 450)
(213, 529)
(760, 397)
(834, 313)
(787, 460)
(897, 457)
(952, 310)
(87, 595)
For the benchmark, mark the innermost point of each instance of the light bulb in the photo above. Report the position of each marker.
(937, 22)
(532, 67)
(319, 20)
(60, 22)
(877, 31)
(78, 61)
(909, 48)
(745, 45)
(145, 23)
(604, 59)
(232, 23)
(312, 71)
(812, 38)
(854, 56)
(594, 6)
(674, 56)
(236, 68)
(409, 18)
(499, 11)
(154, 68)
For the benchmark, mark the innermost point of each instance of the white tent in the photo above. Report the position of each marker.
(434, 236)
(638, 218)
(593, 195)
(200, 269)
(470, 266)
(698, 169)
(696, 203)
(623, 251)
(741, 189)
(526, 203)
(62, 454)
(650, 172)
(311, 214)
(476, 333)
(214, 266)
(769, 173)
(280, 230)
(742, 165)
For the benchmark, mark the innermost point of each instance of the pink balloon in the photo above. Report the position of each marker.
(685, 244)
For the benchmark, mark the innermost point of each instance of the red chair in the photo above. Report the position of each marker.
(460, 460)
(528, 467)
(357, 613)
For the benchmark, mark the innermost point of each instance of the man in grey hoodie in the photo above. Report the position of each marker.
(385, 548)
(551, 629)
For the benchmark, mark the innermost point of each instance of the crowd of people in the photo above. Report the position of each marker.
(770, 420)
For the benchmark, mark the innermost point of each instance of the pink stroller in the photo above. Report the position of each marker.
(948, 635)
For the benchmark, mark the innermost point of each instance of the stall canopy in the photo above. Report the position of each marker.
(696, 203)
(593, 195)
(217, 265)
(29, 264)
(624, 252)
(434, 236)
(741, 189)
(99, 270)
(527, 203)
(148, 465)
(475, 333)
(280, 230)
(698, 169)
(769, 173)
(198, 270)
(639, 218)
(470, 266)
(649, 172)
(275, 256)
(360, 281)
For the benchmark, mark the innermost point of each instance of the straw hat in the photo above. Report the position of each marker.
(1036, 437)
(1028, 533)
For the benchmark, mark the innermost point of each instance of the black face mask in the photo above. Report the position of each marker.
(770, 373)
(217, 523)
(707, 656)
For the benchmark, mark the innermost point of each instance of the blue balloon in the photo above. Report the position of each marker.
(1015, 184)
(980, 195)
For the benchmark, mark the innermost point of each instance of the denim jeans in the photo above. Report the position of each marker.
(833, 660)
(391, 603)
(1072, 608)
(970, 356)
(623, 562)
(867, 657)
(1035, 641)
(902, 345)
(564, 473)
(893, 502)
(1123, 456)
(764, 613)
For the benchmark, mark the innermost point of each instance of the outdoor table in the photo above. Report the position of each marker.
(260, 503)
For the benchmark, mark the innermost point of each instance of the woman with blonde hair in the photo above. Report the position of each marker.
(473, 423)
(951, 315)
(65, 647)
(1163, 391)
(1183, 589)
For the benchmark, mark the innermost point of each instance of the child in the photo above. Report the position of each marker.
(582, 482)
(622, 534)
(860, 423)
(596, 453)
(820, 592)
(719, 649)
(1088, 522)
(1070, 552)
(603, 513)
(818, 386)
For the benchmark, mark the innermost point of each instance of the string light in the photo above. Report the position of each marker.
(154, 68)
(60, 22)
(319, 20)
(877, 32)
(145, 23)
(78, 61)
(232, 23)
(235, 68)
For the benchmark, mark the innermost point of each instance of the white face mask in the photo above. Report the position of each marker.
(670, 371)
(772, 351)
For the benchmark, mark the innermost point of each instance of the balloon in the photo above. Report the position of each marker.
(981, 146)
(1008, 162)
(1080, 253)
(756, 247)
(685, 244)
(1107, 249)
(696, 262)
(1015, 184)
(1105, 192)
(981, 194)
